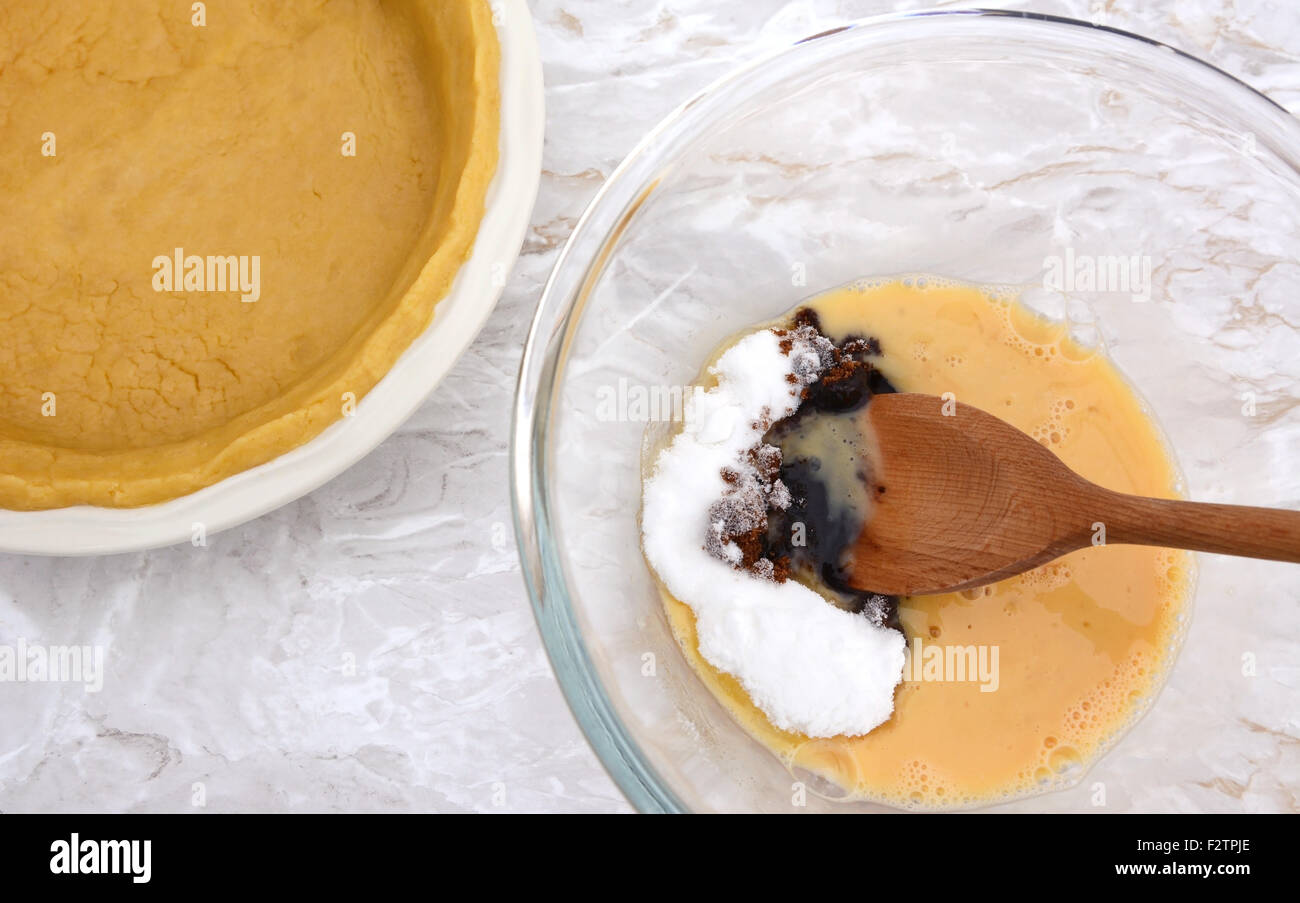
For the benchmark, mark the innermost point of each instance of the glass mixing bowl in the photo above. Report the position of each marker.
(974, 145)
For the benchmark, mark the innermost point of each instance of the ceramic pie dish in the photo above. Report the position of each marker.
(325, 241)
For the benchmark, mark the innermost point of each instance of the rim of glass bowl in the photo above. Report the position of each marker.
(578, 270)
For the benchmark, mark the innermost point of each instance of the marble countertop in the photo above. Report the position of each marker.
(370, 647)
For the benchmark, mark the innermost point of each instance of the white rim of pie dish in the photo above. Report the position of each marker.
(457, 319)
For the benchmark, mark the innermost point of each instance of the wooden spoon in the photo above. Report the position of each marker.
(962, 499)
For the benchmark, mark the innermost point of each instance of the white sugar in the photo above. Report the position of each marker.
(810, 667)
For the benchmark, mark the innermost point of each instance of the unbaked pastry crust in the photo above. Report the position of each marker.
(222, 139)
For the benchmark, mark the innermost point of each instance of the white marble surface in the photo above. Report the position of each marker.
(370, 647)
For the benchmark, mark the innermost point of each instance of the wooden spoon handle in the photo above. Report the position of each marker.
(1271, 533)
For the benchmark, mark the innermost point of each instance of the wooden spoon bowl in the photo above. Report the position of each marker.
(962, 498)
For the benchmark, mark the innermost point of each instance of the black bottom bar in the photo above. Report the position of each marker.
(332, 853)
